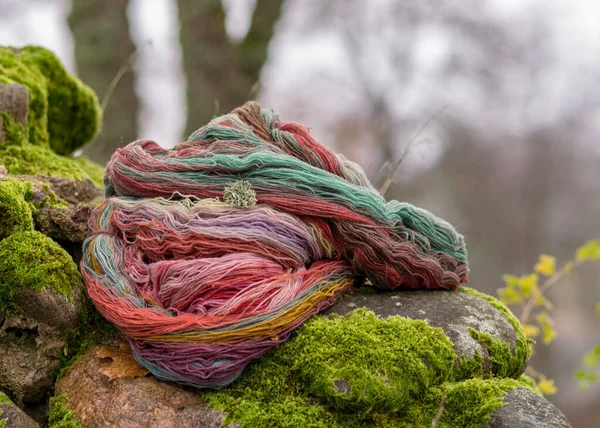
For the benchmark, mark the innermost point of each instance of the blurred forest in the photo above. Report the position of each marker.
(513, 160)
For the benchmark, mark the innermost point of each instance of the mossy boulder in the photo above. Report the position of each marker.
(357, 365)
(486, 337)
(40, 299)
(522, 408)
(63, 113)
(32, 261)
(27, 159)
(60, 208)
(44, 319)
(351, 370)
(15, 206)
(45, 114)
(362, 370)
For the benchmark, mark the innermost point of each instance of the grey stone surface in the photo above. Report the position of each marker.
(525, 409)
(454, 312)
(14, 417)
(14, 100)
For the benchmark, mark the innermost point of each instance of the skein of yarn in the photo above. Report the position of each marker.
(210, 254)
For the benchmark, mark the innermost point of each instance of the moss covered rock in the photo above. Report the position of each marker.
(32, 160)
(40, 298)
(31, 260)
(357, 364)
(487, 339)
(15, 206)
(45, 114)
(361, 370)
(352, 370)
(63, 114)
(522, 408)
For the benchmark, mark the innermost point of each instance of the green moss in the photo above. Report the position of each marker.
(63, 114)
(4, 400)
(51, 199)
(467, 368)
(506, 362)
(362, 354)
(360, 371)
(15, 206)
(13, 70)
(470, 403)
(32, 260)
(13, 131)
(60, 415)
(356, 370)
(32, 160)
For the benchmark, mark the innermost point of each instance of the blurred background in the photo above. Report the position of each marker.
(505, 94)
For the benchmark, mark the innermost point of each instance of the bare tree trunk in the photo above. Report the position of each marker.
(221, 75)
(103, 46)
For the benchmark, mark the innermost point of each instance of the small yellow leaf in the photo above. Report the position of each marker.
(540, 300)
(548, 335)
(598, 308)
(508, 296)
(592, 358)
(531, 330)
(546, 385)
(542, 317)
(569, 268)
(510, 280)
(589, 251)
(528, 284)
(546, 265)
(547, 325)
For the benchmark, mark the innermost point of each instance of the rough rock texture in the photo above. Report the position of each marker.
(12, 416)
(289, 387)
(455, 313)
(524, 409)
(14, 100)
(130, 401)
(63, 206)
(72, 191)
(49, 308)
(31, 340)
(65, 217)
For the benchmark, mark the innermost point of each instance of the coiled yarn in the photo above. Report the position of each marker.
(208, 255)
